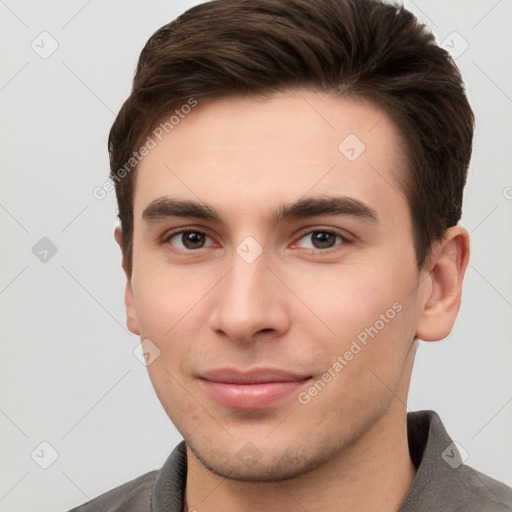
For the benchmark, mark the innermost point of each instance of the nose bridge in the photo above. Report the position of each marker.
(247, 284)
(248, 302)
(247, 278)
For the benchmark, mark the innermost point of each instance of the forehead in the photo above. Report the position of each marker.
(248, 154)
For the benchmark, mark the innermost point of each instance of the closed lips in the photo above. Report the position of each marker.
(257, 389)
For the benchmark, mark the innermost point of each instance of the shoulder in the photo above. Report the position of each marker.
(133, 496)
(443, 481)
(481, 492)
(157, 490)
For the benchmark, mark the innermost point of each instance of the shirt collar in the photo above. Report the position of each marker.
(429, 444)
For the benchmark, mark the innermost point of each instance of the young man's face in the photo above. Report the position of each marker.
(285, 333)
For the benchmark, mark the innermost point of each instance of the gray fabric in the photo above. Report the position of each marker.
(442, 487)
(441, 484)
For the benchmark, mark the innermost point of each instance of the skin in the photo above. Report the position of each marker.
(296, 307)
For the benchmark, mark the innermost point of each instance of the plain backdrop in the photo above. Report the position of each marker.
(69, 377)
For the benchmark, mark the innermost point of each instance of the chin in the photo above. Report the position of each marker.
(251, 465)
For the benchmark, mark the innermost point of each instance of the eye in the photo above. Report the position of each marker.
(320, 239)
(190, 240)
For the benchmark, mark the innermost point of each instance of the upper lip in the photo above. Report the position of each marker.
(251, 376)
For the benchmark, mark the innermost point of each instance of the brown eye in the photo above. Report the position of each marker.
(320, 239)
(189, 240)
(323, 240)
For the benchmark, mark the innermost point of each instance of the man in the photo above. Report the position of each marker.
(289, 177)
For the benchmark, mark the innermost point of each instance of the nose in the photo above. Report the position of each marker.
(250, 303)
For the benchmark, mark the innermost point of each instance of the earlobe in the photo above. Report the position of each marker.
(443, 285)
(129, 299)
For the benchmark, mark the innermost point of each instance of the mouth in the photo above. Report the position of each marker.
(255, 389)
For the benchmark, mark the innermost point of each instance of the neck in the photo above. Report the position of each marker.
(374, 473)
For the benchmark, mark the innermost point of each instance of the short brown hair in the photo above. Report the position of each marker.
(356, 48)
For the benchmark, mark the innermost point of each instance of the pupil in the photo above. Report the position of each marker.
(321, 240)
(192, 240)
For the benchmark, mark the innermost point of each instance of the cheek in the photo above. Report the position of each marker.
(174, 395)
(166, 298)
(370, 313)
(349, 300)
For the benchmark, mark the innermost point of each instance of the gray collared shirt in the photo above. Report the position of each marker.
(442, 482)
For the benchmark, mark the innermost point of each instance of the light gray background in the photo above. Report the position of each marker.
(68, 373)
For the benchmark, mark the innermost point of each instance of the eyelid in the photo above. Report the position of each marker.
(185, 229)
(345, 236)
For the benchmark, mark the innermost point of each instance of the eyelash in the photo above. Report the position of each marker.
(344, 239)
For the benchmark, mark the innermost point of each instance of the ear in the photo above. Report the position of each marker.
(129, 302)
(440, 301)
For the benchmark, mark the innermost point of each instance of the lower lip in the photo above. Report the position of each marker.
(251, 396)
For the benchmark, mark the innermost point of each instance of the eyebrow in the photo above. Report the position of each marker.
(165, 207)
